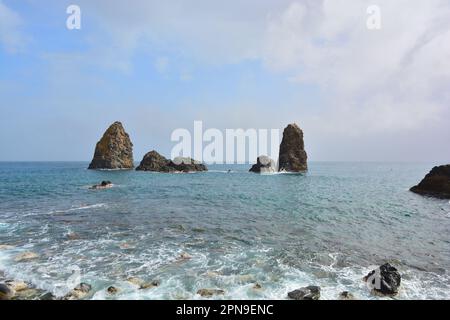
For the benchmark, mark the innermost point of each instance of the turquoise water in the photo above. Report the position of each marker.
(328, 227)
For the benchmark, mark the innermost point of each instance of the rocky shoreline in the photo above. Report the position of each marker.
(382, 282)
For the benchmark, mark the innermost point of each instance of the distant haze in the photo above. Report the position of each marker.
(358, 94)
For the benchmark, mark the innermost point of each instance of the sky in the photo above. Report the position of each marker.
(358, 94)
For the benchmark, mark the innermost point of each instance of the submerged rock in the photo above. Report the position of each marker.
(292, 156)
(79, 292)
(142, 284)
(155, 162)
(112, 290)
(306, 293)
(103, 185)
(5, 292)
(264, 165)
(384, 280)
(436, 183)
(345, 295)
(26, 256)
(210, 292)
(114, 150)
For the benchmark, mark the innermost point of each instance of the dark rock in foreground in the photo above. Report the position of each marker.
(263, 165)
(114, 150)
(345, 295)
(155, 162)
(307, 293)
(292, 157)
(384, 280)
(5, 292)
(436, 183)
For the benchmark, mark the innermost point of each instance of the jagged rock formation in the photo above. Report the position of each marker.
(384, 280)
(306, 293)
(292, 157)
(436, 183)
(153, 161)
(264, 165)
(114, 150)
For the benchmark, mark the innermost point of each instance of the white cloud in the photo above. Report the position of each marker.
(378, 80)
(11, 39)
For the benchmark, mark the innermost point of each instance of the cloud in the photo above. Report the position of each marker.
(376, 80)
(11, 38)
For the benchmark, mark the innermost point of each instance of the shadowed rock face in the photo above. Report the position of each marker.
(114, 150)
(436, 183)
(153, 161)
(292, 157)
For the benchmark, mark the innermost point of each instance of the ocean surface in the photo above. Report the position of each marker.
(328, 227)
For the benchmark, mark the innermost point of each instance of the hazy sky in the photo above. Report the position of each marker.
(358, 94)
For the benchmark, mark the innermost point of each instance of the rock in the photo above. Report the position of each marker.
(384, 280)
(26, 256)
(185, 256)
(210, 292)
(6, 247)
(114, 150)
(142, 284)
(28, 294)
(5, 292)
(345, 295)
(103, 185)
(155, 162)
(112, 290)
(79, 292)
(306, 293)
(153, 284)
(264, 165)
(292, 156)
(436, 183)
(17, 285)
(73, 236)
(257, 286)
(47, 296)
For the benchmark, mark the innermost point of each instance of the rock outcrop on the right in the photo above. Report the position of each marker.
(292, 156)
(155, 162)
(436, 183)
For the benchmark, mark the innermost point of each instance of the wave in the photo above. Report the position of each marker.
(84, 207)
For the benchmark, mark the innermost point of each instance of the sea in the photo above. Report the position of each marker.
(223, 229)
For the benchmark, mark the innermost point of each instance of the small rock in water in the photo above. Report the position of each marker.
(154, 283)
(6, 247)
(384, 280)
(306, 293)
(136, 281)
(103, 185)
(5, 292)
(185, 256)
(112, 290)
(345, 295)
(210, 292)
(26, 256)
(257, 286)
(79, 292)
(28, 294)
(17, 285)
(73, 236)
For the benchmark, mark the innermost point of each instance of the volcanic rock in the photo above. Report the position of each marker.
(436, 183)
(306, 293)
(263, 165)
(384, 280)
(114, 150)
(292, 156)
(155, 162)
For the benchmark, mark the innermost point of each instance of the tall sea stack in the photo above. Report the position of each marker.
(114, 150)
(292, 157)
